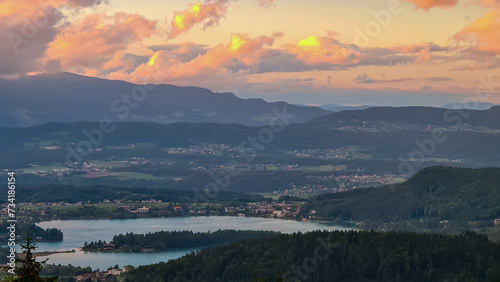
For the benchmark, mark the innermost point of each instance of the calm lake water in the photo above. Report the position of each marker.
(76, 232)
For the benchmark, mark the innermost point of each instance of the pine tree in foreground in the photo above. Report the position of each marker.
(30, 269)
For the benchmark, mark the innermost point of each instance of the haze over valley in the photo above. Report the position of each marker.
(262, 140)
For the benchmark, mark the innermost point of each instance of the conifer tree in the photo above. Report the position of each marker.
(30, 269)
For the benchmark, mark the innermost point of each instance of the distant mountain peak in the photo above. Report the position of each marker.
(69, 97)
(470, 106)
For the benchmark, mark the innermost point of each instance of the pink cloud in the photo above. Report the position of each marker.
(424, 56)
(223, 64)
(427, 4)
(26, 28)
(315, 50)
(208, 13)
(417, 48)
(95, 39)
(485, 32)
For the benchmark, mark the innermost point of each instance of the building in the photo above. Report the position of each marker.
(115, 271)
(143, 209)
(497, 221)
(108, 247)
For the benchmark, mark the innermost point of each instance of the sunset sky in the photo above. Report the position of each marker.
(407, 52)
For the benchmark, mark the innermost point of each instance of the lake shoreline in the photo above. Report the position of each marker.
(46, 253)
(77, 232)
(350, 224)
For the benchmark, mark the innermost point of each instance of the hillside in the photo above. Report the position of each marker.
(411, 117)
(337, 256)
(471, 106)
(376, 150)
(466, 198)
(338, 108)
(66, 97)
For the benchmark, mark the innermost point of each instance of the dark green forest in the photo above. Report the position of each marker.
(382, 143)
(165, 240)
(48, 234)
(64, 270)
(466, 198)
(94, 194)
(337, 256)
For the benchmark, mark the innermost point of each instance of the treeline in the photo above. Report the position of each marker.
(380, 144)
(94, 212)
(435, 197)
(64, 270)
(36, 232)
(94, 194)
(164, 240)
(247, 180)
(337, 256)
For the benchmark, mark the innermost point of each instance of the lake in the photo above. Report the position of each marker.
(76, 232)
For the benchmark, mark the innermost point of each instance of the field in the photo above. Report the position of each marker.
(105, 164)
(111, 207)
(37, 169)
(137, 175)
(324, 168)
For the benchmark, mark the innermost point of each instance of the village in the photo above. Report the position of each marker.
(32, 212)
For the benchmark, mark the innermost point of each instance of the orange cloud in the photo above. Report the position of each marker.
(119, 61)
(28, 7)
(207, 12)
(424, 56)
(222, 63)
(26, 27)
(424, 50)
(244, 49)
(315, 50)
(94, 40)
(485, 31)
(427, 4)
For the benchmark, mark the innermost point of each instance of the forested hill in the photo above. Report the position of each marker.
(337, 256)
(21, 146)
(413, 117)
(165, 240)
(434, 194)
(66, 97)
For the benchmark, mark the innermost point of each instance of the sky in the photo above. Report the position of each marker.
(363, 52)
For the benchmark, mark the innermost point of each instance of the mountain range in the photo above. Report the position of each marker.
(66, 97)
(338, 108)
(393, 117)
(470, 106)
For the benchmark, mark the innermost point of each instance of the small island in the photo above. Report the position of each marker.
(169, 240)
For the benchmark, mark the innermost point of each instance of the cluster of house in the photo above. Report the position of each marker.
(339, 153)
(52, 204)
(144, 209)
(343, 182)
(101, 275)
(274, 209)
(202, 150)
